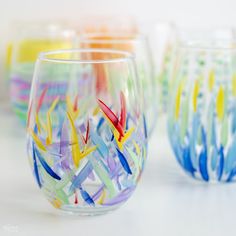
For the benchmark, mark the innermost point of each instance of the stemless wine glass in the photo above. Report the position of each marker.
(29, 41)
(202, 114)
(87, 146)
(138, 45)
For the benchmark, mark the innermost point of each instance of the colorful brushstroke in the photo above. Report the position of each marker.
(202, 128)
(95, 162)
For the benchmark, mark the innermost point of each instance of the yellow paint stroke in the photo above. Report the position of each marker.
(96, 110)
(69, 104)
(195, 95)
(75, 114)
(178, 101)
(49, 122)
(211, 80)
(8, 60)
(87, 151)
(37, 122)
(123, 139)
(49, 129)
(77, 155)
(70, 108)
(102, 197)
(137, 148)
(57, 203)
(37, 140)
(40, 124)
(74, 139)
(220, 103)
(234, 85)
(55, 102)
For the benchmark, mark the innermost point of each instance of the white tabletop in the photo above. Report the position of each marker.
(166, 202)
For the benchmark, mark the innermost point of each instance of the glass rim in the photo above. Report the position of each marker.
(125, 56)
(119, 38)
(208, 45)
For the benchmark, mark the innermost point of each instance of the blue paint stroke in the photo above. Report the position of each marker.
(36, 171)
(123, 162)
(230, 160)
(86, 197)
(188, 166)
(203, 158)
(81, 177)
(220, 167)
(101, 146)
(46, 166)
(145, 127)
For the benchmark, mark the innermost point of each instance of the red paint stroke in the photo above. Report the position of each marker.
(123, 110)
(76, 198)
(87, 134)
(41, 98)
(111, 116)
(29, 114)
(75, 108)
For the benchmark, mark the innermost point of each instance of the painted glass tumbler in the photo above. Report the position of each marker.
(202, 110)
(87, 146)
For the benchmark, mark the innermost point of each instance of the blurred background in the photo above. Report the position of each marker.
(185, 13)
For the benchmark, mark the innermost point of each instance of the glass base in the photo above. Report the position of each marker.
(87, 211)
(83, 209)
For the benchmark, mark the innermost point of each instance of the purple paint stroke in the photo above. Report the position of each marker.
(118, 182)
(123, 196)
(23, 97)
(98, 193)
(111, 163)
(51, 98)
(82, 128)
(58, 145)
(53, 85)
(91, 176)
(21, 82)
(115, 173)
(64, 148)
